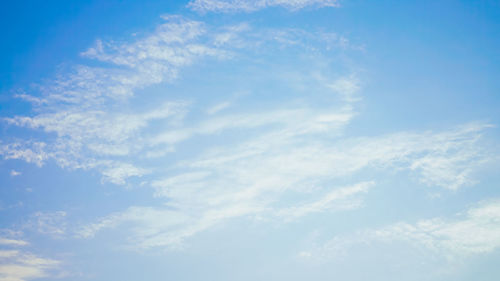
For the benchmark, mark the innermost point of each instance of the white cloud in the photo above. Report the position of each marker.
(475, 232)
(90, 124)
(257, 178)
(20, 266)
(218, 107)
(31, 152)
(297, 121)
(347, 87)
(81, 110)
(49, 223)
(286, 152)
(150, 224)
(117, 174)
(14, 173)
(254, 5)
(293, 149)
(337, 199)
(12, 242)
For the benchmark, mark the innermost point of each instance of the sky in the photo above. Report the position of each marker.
(240, 140)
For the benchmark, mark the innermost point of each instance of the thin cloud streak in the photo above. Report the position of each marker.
(231, 6)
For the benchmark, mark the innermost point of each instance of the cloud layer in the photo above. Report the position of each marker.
(280, 160)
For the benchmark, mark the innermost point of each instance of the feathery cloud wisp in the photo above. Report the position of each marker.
(254, 5)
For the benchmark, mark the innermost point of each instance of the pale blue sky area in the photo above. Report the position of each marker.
(250, 140)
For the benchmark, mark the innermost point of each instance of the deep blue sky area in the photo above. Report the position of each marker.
(40, 35)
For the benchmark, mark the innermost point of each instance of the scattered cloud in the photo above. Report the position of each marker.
(31, 152)
(90, 123)
(48, 223)
(280, 162)
(75, 107)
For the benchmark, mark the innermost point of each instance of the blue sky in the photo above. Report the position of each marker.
(249, 140)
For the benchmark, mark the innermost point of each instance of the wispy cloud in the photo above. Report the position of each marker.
(341, 198)
(48, 223)
(293, 148)
(218, 107)
(18, 264)
(347, 87)
(474, 232)
(12, 242)
(257, 178)
(15, 173)
(90, 123)
(81, 109)
(477, 231)
(251, 6)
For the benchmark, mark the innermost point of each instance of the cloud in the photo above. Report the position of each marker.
(305, 122)
(337, 199)
(20, 265)
(12, 242)
(278, 161)
(80, 109)
(170, 226)
(14, 173)
(48, 223)
(89, 122)
(474, 232)
(347, 87)
(227, 6)
(218, 107)
(282, 176)
(288, 151)
(31, 152)
(152, 226)
(119, 173)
